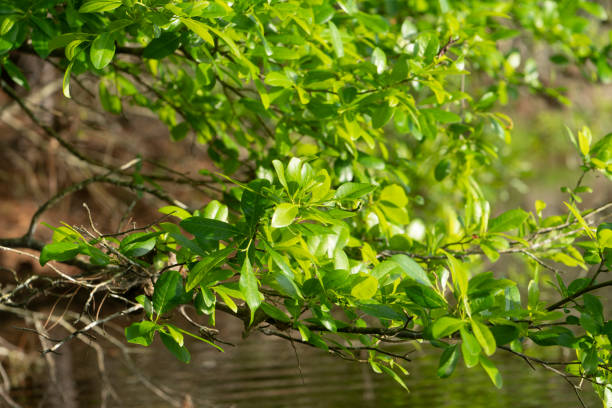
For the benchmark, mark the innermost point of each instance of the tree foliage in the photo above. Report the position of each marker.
(353, 141)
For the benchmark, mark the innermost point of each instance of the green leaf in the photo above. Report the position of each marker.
(249, 288)
(15, 74)
(425, 296)
(581, 220)
(146, 304)
(279, 79)
(253, 204)
(209, 229)
(102, 50)
(110, 103)
(66, 80)
(379, 59)
(604, 235)
(508, 221)
(448, 361)
(442, 169)
(175, 211)
(63, 40)
(176, 335)
(381, 116)
(336, 40)
(138, 244)
(584, 140)
(394, 376)
(99, 6)
(460, 276)
(198, 273)
(412, 269)
(442, 116)
(141, 333)
(161, 47)
(275, 313)
(491, 371)
(201, 29)
(59, 251)
(445, 326)
(590, 361)
(504, 334)
(365, 289)
(221, 290)
(230, 43)
(180, 352)
(284, 215)
(470, 348)
(166, 291)
(484, 337)
(353, 191)
(594, 9)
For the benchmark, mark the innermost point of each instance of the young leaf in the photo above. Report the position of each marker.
(365, 289)
(581, 220)
(484, 337)
(584, 140)
(284, 215)
(200, 29)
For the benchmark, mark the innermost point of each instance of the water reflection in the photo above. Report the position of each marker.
(263, 372)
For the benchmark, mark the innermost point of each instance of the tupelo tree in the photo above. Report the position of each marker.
(352, 138)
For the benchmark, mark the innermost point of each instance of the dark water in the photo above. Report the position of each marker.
(262, 372)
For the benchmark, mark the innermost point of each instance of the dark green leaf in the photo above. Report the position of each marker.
(275, 312)
(448, 361)
(209, 229)
(163, 46)
(166, 291)
(199, 272)
(180, 352)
